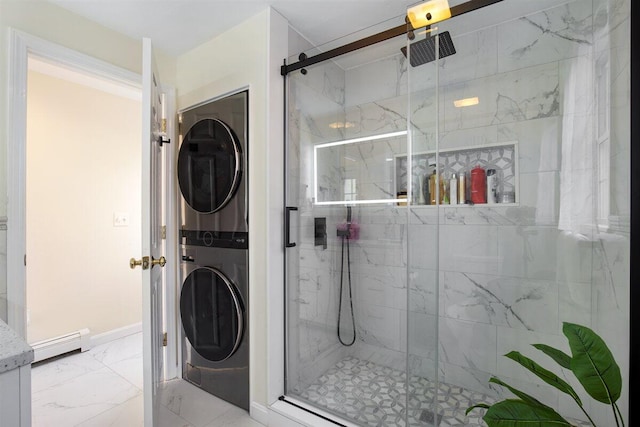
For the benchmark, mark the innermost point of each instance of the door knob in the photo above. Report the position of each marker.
(144, 262)
(160, 261)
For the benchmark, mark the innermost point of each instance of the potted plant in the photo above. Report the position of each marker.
(591, 362)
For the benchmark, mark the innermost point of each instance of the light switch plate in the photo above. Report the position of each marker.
(120, 219)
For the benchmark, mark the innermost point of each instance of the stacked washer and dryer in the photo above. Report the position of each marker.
(214, 243)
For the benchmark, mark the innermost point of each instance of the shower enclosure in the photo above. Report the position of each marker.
(434, 293)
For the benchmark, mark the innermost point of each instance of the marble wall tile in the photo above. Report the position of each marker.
(526, 94)
(380, 356)
(388, 76)
(467, 344)
(575, 302)
(523, 304)
(483, 114)
(382, 286)
(547, 36)
(470, 249)
(477, 215)
(528, 252)
(327, 79)
(423, 246)
(423, 335)
(382, 326)
(476, 56)
(423, 215)
(538, 143)
(470, 378)
(539, 192)
(575, 258)
(469, 137)
(424, 291)
(374, 118)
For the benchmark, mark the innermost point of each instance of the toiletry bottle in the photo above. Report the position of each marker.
(445, 190)
(433, 181)
(478, 185)
(491, 186)
(453, 190)
(425, 188)
(421, 199)
(462, 189)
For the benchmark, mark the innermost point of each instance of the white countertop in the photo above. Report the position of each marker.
(14, 351)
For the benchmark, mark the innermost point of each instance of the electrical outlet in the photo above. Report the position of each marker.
(120, 219)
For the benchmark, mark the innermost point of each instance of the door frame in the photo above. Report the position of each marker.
(21, 45)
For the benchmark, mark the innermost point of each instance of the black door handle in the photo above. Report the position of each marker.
(287, 223)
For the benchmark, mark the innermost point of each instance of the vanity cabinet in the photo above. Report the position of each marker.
(15, 379)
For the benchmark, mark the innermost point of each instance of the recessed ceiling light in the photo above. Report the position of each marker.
(467, 102)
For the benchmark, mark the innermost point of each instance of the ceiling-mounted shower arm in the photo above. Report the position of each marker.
(460, 9)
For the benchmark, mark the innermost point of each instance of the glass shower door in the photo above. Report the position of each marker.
(521, 109)
(348, 303)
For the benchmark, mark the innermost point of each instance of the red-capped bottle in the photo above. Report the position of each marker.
(478, 185)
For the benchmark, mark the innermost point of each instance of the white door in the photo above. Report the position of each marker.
(152, 202)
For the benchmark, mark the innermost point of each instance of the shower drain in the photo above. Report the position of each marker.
(427, 416)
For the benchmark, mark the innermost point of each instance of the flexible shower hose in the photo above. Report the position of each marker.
(353, 320)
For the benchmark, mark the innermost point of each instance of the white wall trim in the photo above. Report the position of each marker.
(114, 334)
(278, 49)
(21, 46)
(259, 413)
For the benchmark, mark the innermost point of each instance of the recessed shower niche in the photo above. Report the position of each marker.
(375, 169)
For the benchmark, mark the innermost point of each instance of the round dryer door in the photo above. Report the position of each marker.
(212, 314)
(209, 165)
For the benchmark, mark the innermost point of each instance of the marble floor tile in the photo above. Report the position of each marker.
(191, 403)
(129, 413)
(103, 388)
(56, 371)
(80, 399)
(130, 370)
(129, 347)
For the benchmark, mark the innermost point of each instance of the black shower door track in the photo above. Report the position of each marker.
(376, 38)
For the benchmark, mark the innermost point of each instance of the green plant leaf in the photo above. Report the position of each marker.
(517, 413)
(561, 358)
(545, 375)
(522, 395)
(478, 405)
(593, 364)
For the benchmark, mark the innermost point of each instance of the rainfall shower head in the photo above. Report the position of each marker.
(424, 50)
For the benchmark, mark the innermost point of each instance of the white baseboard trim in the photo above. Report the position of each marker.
(115, 334)
(56, 346)
(259, 413)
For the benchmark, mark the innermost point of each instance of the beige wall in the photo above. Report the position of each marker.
(83, 165)
(47, 21)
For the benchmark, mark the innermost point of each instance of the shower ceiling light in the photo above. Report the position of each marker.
(467, 102)
(340, 125)
(429, 13)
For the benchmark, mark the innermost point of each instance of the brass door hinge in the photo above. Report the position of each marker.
(164, 339)
(163, 232)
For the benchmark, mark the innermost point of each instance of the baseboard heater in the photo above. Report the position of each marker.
(45, 349)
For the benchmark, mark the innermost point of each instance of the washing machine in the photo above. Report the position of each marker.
(214, 301)
(212, 166)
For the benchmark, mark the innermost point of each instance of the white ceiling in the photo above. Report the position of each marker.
(177, 26)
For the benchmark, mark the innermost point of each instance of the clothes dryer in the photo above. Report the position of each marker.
(212, 165)
(214, 302)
